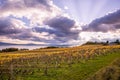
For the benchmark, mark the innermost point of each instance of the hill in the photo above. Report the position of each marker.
(75, 63)
(111, 72)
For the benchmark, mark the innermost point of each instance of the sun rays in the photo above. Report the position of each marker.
(85, 11)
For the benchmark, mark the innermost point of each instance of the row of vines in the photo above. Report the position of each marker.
(30, 62)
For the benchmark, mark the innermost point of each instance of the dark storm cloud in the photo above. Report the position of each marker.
(117, 26)
(15, 29)
(60, 23)
(50, 31)
(110, 22)
(61, 27)
(24, 35)
(7, 28)
(23, 4)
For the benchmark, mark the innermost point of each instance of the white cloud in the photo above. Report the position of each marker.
(99, 36)
(66, 8)
(39, 11)
(36, 14)
(18, 23)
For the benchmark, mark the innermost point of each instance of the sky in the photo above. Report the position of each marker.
(58, 22)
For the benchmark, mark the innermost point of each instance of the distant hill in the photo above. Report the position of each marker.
(93, 43)
(117, 42)
(8, 44)
(2, 44)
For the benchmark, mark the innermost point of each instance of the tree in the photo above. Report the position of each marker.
(107, 42)
(117, 41)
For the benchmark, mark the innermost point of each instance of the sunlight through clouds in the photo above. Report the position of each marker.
(54, 22)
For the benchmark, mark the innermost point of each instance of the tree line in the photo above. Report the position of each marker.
(116, 42)
(12, 49)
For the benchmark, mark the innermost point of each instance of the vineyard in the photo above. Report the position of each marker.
(75, 63)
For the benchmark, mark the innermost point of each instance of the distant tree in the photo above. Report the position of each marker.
(10, 49)
(117, 41)
(107, 42)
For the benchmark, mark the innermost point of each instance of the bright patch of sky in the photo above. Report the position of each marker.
(84, 11)
(58, 22)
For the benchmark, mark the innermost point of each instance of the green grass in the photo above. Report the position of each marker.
(111, 72)
(78, 71)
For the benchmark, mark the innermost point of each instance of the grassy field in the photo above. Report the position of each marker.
(76, 63)
(111, 72)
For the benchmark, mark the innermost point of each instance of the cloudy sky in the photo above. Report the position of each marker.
(58, 22)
